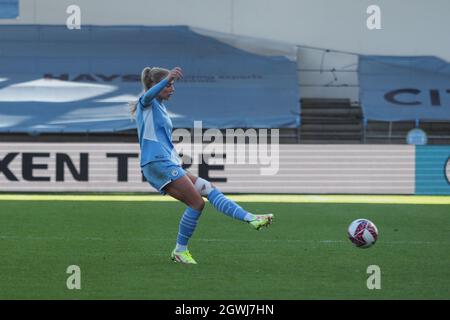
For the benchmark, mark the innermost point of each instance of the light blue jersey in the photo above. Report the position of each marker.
(155, 127)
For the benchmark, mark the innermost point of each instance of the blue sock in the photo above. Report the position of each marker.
(227, 206)
(188, 223)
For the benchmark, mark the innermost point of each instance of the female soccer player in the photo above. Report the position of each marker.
(161, 167)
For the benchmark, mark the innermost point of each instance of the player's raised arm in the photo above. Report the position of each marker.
(175, 74)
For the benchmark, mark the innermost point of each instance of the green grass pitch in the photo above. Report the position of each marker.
(122, 248)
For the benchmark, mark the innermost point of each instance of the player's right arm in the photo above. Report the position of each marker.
(174, 74)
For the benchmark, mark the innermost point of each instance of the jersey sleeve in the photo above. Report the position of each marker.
(151, 93)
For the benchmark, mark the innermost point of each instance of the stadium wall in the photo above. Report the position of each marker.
(296, 169)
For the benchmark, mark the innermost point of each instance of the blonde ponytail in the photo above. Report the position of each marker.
(149, 77)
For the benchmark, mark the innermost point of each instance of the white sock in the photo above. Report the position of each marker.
(180, 248)
(249, 217)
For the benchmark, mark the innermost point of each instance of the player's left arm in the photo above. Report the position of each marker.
(153, 92)
(174, 74)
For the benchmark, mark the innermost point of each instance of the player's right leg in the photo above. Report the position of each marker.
(227, 206)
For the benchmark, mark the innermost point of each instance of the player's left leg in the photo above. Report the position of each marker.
(183, 190)
(227, 206)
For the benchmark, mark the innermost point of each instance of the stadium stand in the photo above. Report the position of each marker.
(84, 85)
(394, 132)
(330, 121)
(102, 115)
(398, 94)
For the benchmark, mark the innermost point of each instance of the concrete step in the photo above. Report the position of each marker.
(393, 126)
(331, 112)
(409, 125)
(330, 135)
(439, 126)
(327, 120)
(306, 101)
(439, 141)
(331, 127)
(385, 141)
(324, 141)
(325, 106)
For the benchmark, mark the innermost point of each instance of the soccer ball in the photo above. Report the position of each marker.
(363, 233)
